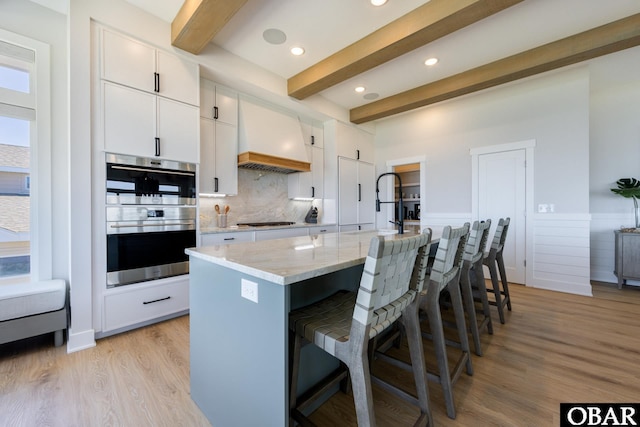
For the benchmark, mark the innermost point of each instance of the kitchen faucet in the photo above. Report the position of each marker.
(400, 221)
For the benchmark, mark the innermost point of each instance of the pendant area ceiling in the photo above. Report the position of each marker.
(325, 27)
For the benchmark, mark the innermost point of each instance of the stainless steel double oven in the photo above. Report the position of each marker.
(150, 218)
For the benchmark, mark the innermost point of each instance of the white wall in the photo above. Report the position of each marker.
(615, 151)
(550, 109)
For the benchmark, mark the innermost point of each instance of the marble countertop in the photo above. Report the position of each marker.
(294, 259)
(235, 228)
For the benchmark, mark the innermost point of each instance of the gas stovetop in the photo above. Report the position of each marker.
(266, 224)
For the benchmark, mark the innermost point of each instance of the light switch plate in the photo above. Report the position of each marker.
(249, 290)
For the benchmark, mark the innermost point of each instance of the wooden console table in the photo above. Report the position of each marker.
(627, 265)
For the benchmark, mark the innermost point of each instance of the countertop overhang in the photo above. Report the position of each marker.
(294, 259)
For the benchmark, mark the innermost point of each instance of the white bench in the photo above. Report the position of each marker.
(30, 309)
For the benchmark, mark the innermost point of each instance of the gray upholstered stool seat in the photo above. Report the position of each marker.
(344, 323)
(30, 309)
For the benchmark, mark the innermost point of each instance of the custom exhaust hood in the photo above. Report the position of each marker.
(270, 140)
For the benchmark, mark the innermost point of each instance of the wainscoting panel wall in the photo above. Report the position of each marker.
(560, 253)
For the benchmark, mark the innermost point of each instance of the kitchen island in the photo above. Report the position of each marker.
(240, 299)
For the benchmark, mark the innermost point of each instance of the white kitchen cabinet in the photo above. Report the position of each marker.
(309, 184)
(218, 158)
(132, 63)
(356, 227)
(218, 103)
(354, 143)
(142, 124)
(131, 306)
(356, 192)
(227, 238)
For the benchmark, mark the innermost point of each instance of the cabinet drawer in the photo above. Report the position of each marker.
(226, 238)
(281, 233)
(322, 229)
(145, 302)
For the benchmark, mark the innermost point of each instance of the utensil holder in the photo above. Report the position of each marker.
(222, 220)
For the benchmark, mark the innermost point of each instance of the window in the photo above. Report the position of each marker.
(24, 171)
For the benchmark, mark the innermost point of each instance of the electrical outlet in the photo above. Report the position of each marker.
(249, 290)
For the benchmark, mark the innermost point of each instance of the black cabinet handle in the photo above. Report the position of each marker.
(229, 238)
(313, 191)
(359, 192)
(313, 140)
(156, 300)
(215, 113)
(156, 82)
(157, 147)
(215, 185)
(357, 154)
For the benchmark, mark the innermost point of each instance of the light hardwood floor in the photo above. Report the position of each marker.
(554, 348)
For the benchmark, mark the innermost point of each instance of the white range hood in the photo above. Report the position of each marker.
(270, 140)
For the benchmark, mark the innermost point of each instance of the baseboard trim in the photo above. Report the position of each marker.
(81, 341)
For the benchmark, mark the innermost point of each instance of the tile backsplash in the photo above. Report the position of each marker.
(262, 196)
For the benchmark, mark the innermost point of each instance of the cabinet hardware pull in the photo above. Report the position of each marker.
(156, 300)
(215, 113)
(156, 82)
(357, 154)
(313, 191)
(157, 147)
(229, 238)
(323, 231)
(359, 192)
(313, 140)
(215, 185)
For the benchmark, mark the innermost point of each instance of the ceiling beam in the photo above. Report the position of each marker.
(603, 40)
(427, 23)
(198, 21)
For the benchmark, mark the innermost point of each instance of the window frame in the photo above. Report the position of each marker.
(40, 221)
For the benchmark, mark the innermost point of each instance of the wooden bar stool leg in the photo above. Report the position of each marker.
(484, 298)
(458, 311)
(469, 306)
(496, 288)
(361, 379)
(439, 344)
(503, 278)
(416, 352)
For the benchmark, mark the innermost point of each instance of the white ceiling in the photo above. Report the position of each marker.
(326, 26)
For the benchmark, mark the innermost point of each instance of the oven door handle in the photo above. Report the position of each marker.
(150, 225)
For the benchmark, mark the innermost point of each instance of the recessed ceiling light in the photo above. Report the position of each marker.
(297, 51)
(431, 61)
(371, 96)
(360, 89)
(274, 36)
(378, 2)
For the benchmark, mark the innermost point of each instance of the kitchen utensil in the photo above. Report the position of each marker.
(226, 209)
(217, 208)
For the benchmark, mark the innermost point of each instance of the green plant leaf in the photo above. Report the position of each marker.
(627, 187)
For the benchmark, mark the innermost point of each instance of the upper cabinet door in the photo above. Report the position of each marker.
(128, 61)
(135, 64)
(226, 106)
(177, 78)
(129, 120)
(178, 130)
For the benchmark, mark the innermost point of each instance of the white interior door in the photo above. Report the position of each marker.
(502, 193)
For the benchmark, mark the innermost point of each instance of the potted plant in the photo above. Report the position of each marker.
(629, 188)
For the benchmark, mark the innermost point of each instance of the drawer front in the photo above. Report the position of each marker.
(147, 302)
(281, 233)
(322, 229)
(226, 238)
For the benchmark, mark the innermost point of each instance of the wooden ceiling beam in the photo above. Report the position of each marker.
(198, 21)
(427, 23)
(603, 40)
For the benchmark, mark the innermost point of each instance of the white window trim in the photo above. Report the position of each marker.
(40, 165)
